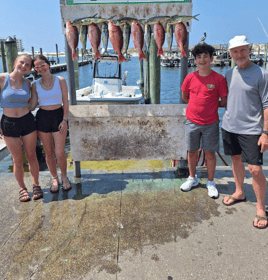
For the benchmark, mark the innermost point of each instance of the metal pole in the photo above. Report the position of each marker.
(11, 53)
(57, 54)
(141, 77)
(3, 57)
(155, 74)
(72, 94)
(76, 71)
(183, 165)
(184, 66)
(146, 79)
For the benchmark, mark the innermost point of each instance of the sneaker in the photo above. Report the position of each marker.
(191, 182)
(212, 190)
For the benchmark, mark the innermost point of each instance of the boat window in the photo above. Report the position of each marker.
(107, 70)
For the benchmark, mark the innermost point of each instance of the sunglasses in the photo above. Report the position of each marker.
(39, 67)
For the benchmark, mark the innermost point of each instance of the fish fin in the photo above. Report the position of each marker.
(196, 16)
(160, 52)
(142, 56)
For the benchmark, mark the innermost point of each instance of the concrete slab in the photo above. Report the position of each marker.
(130, 225)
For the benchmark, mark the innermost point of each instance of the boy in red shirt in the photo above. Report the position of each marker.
(205, 91)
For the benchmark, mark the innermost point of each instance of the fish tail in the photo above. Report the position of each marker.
(97, 54)
(74, 55)
(183, 53)
(121, 58)
(160, 52)
(142, 56)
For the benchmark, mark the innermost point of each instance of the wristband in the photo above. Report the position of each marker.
(65, 119)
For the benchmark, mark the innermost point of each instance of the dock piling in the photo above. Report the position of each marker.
(155, 73)
(146, 79)
(3, 57)
(142, 77)
(11, 53)
(57, 55)
(41, 51)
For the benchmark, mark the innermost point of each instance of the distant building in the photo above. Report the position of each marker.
(18, 41)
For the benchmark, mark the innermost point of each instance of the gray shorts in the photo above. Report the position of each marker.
(209, 134)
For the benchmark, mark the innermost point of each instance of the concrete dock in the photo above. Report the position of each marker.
(131, 223)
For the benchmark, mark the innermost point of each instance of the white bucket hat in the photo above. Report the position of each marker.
(238, 41)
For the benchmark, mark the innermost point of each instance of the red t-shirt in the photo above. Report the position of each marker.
(204, 94)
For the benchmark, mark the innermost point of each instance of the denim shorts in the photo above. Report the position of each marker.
(17, 127)
(49, 120)
(205, 136)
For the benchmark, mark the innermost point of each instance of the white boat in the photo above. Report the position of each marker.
(108, 85)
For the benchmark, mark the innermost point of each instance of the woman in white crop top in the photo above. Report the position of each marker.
(51, 119)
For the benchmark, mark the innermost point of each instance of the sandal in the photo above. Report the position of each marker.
(54, 188)
(24, 194)
(37, 192)
(67, 186)
(260, 218)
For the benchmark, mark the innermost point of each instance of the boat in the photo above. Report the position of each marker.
(108, 85)
(167, 62)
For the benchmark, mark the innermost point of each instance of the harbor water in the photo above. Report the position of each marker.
(170, 94)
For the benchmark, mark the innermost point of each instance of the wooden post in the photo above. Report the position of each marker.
(57, 54)
(3, 57)
(76, 71)
(41, 51)
(141, 77)
(146, 79)
(11, 53)
(32, 52)
(72, 95)
(155, 74)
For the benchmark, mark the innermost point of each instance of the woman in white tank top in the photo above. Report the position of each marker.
(51, 119)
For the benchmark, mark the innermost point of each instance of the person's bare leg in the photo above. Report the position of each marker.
(239, 175)
(259, 185)
(211, 164)
(192, 157)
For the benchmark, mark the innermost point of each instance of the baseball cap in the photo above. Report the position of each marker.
(238, 41)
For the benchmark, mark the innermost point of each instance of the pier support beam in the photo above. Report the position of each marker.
(155, 73)
(57, 54)
(72, 98)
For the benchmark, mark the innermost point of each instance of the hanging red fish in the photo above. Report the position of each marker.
(72, 38)
(138, 38)
(94, 36)
(181, 37)
(159, 36)
(116, 38)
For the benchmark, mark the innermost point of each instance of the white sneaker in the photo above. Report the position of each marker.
(212, 190)
(191, 182)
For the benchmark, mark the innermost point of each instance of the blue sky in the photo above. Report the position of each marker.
(38, 23)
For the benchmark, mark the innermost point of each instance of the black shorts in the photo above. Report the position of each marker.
(49, 120)
(247, 145)
(17, 127)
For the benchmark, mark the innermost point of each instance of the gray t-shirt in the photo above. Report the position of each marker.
(247, 98)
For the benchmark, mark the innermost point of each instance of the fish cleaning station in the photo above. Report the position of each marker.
(128, 132)
(125, 217)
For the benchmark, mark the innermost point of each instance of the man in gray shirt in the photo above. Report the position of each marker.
(245, 125)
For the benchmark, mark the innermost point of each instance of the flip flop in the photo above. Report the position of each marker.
(259, 218)
(235, 200)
